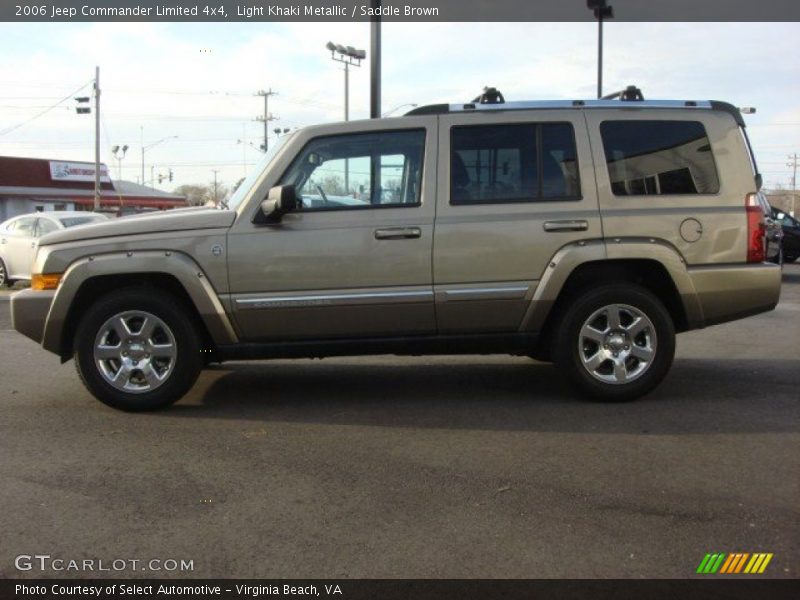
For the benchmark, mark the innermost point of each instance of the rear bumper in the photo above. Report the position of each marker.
(732, 292)
(29, 311)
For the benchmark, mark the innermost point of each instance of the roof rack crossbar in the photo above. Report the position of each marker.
(630, 93)
(490, 95)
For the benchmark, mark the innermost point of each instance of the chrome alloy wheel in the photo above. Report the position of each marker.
(135, 351)
(617, 344)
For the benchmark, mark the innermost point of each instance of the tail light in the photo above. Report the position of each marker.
(756, 231)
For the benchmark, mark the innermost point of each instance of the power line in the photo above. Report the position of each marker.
(45, 111)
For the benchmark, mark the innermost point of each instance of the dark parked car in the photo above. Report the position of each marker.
(791, 234)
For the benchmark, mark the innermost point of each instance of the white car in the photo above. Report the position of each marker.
(19, 236)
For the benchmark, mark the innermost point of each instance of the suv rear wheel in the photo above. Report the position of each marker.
(136, 350)
(616, 341)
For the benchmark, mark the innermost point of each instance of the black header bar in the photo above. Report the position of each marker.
(394, 11)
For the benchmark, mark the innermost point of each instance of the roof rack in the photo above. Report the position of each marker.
(492, 99)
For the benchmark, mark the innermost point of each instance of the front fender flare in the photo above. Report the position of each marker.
(175, 264)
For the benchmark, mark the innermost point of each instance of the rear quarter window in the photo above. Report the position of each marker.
(659, 158)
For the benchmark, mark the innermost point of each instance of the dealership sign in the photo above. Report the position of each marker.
(68, 171)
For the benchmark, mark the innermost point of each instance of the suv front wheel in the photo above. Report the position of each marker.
(616, 341)
(135, 349)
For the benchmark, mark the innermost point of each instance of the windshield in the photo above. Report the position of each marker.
(247, 185)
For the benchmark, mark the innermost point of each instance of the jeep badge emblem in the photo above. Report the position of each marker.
(216, 249)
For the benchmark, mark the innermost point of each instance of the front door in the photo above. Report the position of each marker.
(355, 259)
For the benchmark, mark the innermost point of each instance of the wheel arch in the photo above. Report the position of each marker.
(653, 265)
(172, 273)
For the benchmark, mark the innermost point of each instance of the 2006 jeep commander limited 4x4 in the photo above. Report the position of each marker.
(587, 233)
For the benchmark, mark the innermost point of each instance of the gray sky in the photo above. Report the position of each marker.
(196, 81)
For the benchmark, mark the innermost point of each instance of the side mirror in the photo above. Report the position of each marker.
(281, 199)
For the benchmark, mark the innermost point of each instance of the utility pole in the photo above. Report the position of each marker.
(793, 164)
(216, 200)
(267, 116)
(348, 56)
(97, 138)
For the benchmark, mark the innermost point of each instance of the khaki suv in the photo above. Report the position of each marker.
(588, 233)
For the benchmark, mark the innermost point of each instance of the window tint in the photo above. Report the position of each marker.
(360, 170)
(522, 162)
(658, 158)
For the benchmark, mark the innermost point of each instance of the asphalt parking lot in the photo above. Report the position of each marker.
(414, 467)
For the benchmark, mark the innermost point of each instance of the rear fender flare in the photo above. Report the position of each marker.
(570, 257)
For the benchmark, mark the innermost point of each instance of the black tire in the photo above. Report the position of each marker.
(789, 259)
(567, 337)
(4, 275)
(188, 360)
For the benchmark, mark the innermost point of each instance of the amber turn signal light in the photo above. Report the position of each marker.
(45, 281)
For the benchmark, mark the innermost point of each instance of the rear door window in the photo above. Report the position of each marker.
(659, 158)
(520, 162)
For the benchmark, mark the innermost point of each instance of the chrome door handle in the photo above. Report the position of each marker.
(3, 241)
(398, 233)
(566, 225)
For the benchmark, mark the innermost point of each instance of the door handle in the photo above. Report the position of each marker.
(3, 241)
(566, 225)
(398, 233)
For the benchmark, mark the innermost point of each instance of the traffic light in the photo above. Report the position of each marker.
(82, 110)
(170, 174)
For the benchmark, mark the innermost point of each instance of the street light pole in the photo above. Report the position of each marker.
(601, 11)
(119, 156)
(346, 91)
(348, 56)
(375, 63)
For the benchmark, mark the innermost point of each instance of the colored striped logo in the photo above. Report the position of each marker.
(737, 562)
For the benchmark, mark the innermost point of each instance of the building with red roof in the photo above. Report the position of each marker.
(33, 184)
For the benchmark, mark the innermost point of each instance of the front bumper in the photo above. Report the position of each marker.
(29, 310)
(732, 292)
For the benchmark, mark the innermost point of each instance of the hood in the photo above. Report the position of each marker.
(181, 219)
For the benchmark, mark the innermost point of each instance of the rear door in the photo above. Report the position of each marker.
(513, 189)
(678, 176)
